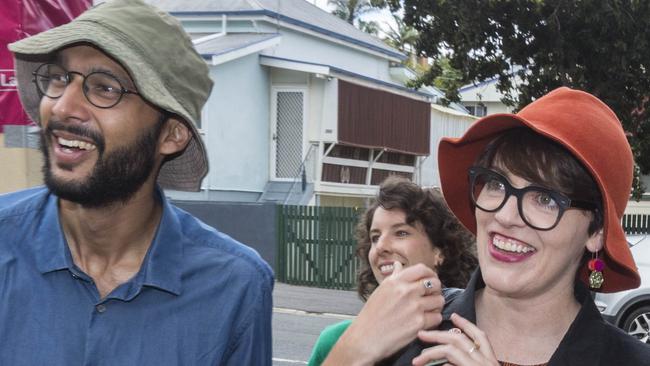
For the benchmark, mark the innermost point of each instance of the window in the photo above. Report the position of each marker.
(478, 110)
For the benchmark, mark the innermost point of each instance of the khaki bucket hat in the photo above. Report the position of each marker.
(160, 58)
(588, 129)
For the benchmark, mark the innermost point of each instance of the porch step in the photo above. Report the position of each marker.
(279, 191)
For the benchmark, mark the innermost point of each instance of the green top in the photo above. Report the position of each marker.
(326, 342)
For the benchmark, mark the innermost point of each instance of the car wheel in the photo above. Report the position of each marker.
(637, 324)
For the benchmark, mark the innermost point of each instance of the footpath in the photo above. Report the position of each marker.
(315, 300)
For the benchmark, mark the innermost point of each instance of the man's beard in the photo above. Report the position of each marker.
(116, 177)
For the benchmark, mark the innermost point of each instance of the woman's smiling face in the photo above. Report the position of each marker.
(393, 240)
(520, 261)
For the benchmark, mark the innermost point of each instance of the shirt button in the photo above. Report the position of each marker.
(75, 276)
(100, 308)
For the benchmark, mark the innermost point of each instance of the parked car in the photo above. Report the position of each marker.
(630, 310)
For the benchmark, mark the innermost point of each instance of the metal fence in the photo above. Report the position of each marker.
(636, 224)
(316, 246)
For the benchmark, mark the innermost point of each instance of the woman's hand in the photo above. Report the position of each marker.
(407, 301)
(467, 346)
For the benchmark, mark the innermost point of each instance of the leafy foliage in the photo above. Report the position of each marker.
(370, 27)
(449, 78)
(602, 46)
(402, 36)
(351, 10)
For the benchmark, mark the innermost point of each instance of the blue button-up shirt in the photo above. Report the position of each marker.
(200, 297)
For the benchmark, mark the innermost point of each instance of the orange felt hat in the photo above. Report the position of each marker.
(588, 129)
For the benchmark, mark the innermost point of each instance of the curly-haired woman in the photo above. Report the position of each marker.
(405, 236)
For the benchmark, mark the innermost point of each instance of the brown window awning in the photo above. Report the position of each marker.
(378, 119)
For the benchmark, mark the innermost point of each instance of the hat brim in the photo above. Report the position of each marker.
(185, 171)
(457, 155)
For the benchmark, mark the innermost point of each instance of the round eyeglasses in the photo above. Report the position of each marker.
(102, 89)
(540, 208)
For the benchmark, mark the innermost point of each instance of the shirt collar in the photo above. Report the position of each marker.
(50, 248)
(163, 264)
(160, 269)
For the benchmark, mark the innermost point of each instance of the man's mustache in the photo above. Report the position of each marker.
(78, 130)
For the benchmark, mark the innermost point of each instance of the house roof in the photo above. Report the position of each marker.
(333, 71)
(483, 83)
(225, 47)
(231, 42)
(296, 12)
(453, 111)
(514, 70)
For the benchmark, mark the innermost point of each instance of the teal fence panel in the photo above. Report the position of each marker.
(316, 246)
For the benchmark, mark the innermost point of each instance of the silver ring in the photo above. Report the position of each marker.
(427, 285)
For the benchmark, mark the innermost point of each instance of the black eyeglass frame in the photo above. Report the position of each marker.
(564, 202)
(84, 87)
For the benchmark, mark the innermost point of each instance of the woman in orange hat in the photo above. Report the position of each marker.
(544, 191)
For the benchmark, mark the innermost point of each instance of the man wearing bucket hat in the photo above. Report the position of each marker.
(98, 268)
(544, 191)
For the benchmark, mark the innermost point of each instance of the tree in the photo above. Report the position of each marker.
(351, 10)
(402, 36)
(602, 46)
(370, 27)
(448, 77)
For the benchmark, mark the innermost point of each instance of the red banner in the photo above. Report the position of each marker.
(20, 19)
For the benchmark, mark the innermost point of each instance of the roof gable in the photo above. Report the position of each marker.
(296, 12)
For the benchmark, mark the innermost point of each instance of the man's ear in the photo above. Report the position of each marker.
(174, 136)
(595, 243)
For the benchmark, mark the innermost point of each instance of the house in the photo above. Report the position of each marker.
(445, 122)
(483, 98)
(306, 109)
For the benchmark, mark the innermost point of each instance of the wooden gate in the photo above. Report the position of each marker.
(316, 246)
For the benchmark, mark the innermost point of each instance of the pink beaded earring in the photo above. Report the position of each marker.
(596, 266)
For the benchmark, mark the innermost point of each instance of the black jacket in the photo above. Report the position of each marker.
(590, 340)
